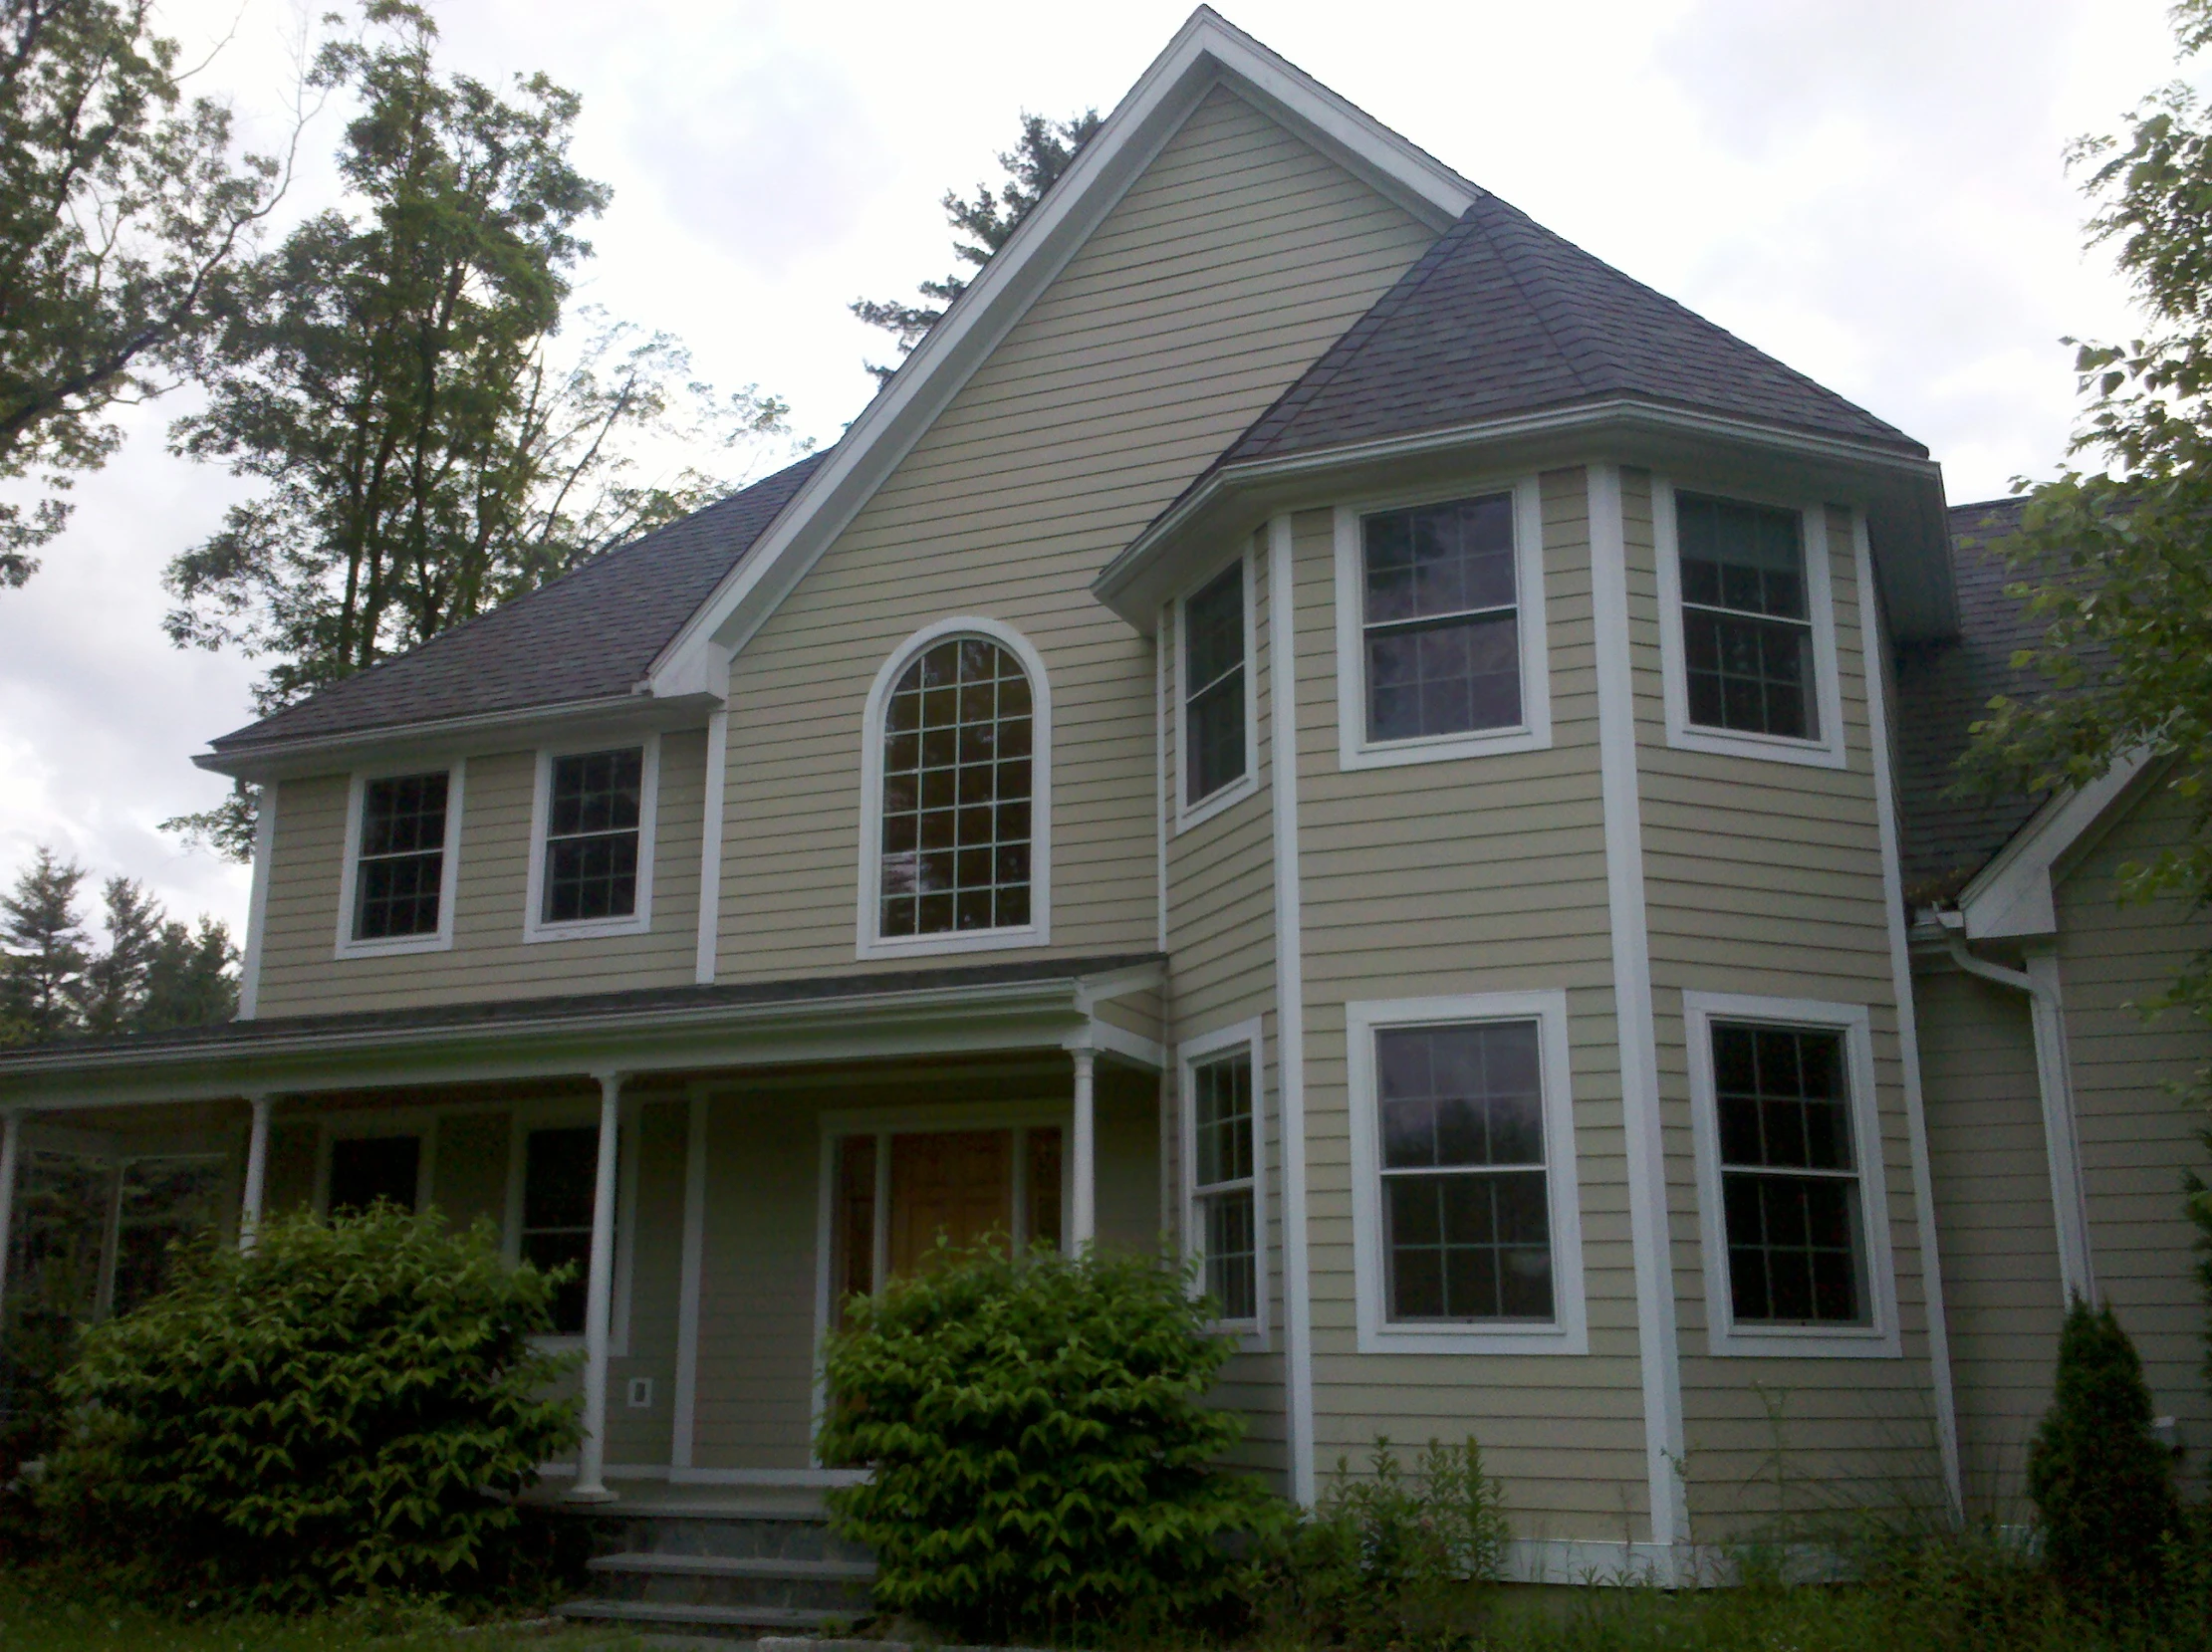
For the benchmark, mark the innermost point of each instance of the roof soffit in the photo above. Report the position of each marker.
(1207, 52)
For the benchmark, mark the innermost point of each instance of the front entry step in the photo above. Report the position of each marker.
(734, 1622)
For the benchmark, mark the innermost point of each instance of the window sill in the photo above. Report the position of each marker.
(583, 929)
(1440, 748)
(975, 940)
(398, 947)
(1247, 1334)
(1805, 1343)
(1473, 1339)
(1215, 802)
(1763, 748)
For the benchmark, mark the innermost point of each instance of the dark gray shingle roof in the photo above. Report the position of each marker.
(1943, 687)
(591, 633)
(1502, 316)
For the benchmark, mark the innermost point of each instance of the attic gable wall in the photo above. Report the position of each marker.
(1229, 266)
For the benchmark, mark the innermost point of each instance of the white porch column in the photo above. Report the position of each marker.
(11, 1141)
(599, 1298)
(257, 1171)
(1083, 1224)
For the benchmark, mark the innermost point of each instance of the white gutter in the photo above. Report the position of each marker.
(2055, 1082)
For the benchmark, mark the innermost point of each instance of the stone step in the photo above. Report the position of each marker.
(735, 1535)
(718, 1565)
(730, 1622)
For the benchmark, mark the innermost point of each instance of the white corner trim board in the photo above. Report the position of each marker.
(1206, 52)
(1827, 751)
(1908, 1032)
(1354, 750)
(1289, 1003)
(871, 942)
(710, 845)
(535, 925)
(1568, 1330)
(257, 908)
(1650, 1242)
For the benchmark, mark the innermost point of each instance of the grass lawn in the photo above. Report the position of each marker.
(36, 1615)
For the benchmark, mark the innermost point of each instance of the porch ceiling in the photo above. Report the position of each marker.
(1044, 1003)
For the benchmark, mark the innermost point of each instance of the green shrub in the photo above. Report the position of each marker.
(2102, 1485)
(1042, 1456)
(1386, 1559)
(343, 1410)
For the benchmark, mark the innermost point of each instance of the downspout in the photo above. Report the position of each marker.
(2054, 1081)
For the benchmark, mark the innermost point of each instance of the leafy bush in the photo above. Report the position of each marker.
(1042, 1457)
(1385, 1560)
(341, 1411)
(2102, 1485)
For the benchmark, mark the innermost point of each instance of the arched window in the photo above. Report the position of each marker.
(960, 795)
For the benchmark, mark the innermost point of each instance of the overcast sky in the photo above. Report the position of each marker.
(1872, 192)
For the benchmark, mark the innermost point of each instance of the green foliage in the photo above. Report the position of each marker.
(122, 216)
(389, 376)
(1043, 1455)
(344, 1410)
(1385, 1559)
(154, 973)
(981, 226)
(2102, 1485)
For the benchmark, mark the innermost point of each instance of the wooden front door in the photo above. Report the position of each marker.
(958, 1183)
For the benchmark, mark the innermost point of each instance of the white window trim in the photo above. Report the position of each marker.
(1195, 1052)
(450, 881)
(871, 942)
(423, 1126)
(1828, 752)
(535, 926)
(1569, 1331)
(569, 1115)
(1534, 732)
(1878, 1339)
(1188, 813)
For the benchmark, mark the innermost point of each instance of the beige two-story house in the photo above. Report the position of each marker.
(1315, 723)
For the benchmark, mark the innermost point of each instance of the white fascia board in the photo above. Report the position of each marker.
(1205, 53)
(2012, 895)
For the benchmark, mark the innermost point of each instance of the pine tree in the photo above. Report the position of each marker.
(981, 226)
(2102, 1485)
(116, 980)
(190, 978)
(44, 951)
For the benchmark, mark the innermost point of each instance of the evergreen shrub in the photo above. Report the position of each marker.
(1043, 1461)
(345, 1410)
(2101, 1483)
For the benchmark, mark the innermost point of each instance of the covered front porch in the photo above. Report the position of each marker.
(721, 1165)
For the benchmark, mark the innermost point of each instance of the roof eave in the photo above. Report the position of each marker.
(262, 760)
(1902, 488)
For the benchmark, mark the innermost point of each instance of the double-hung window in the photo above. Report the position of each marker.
(1215, 688)
(1789, 1171)
(1224, 1177)
(559, 1178)
(593, 869)
(1749, 628)
(1464, 1190)
(1440, 629)
(399, 883)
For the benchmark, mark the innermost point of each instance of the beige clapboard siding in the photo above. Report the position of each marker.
(764, 1164)
(301, 975)
(2136, 1138)
(1565, 1432)
(1765, 878)
(1221, 937)
(1232, 262)
(1994, 1228)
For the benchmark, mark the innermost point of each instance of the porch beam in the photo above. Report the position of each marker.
(11, 1142)
(599, 1298)
(257, 1171)
(1084, 1218)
